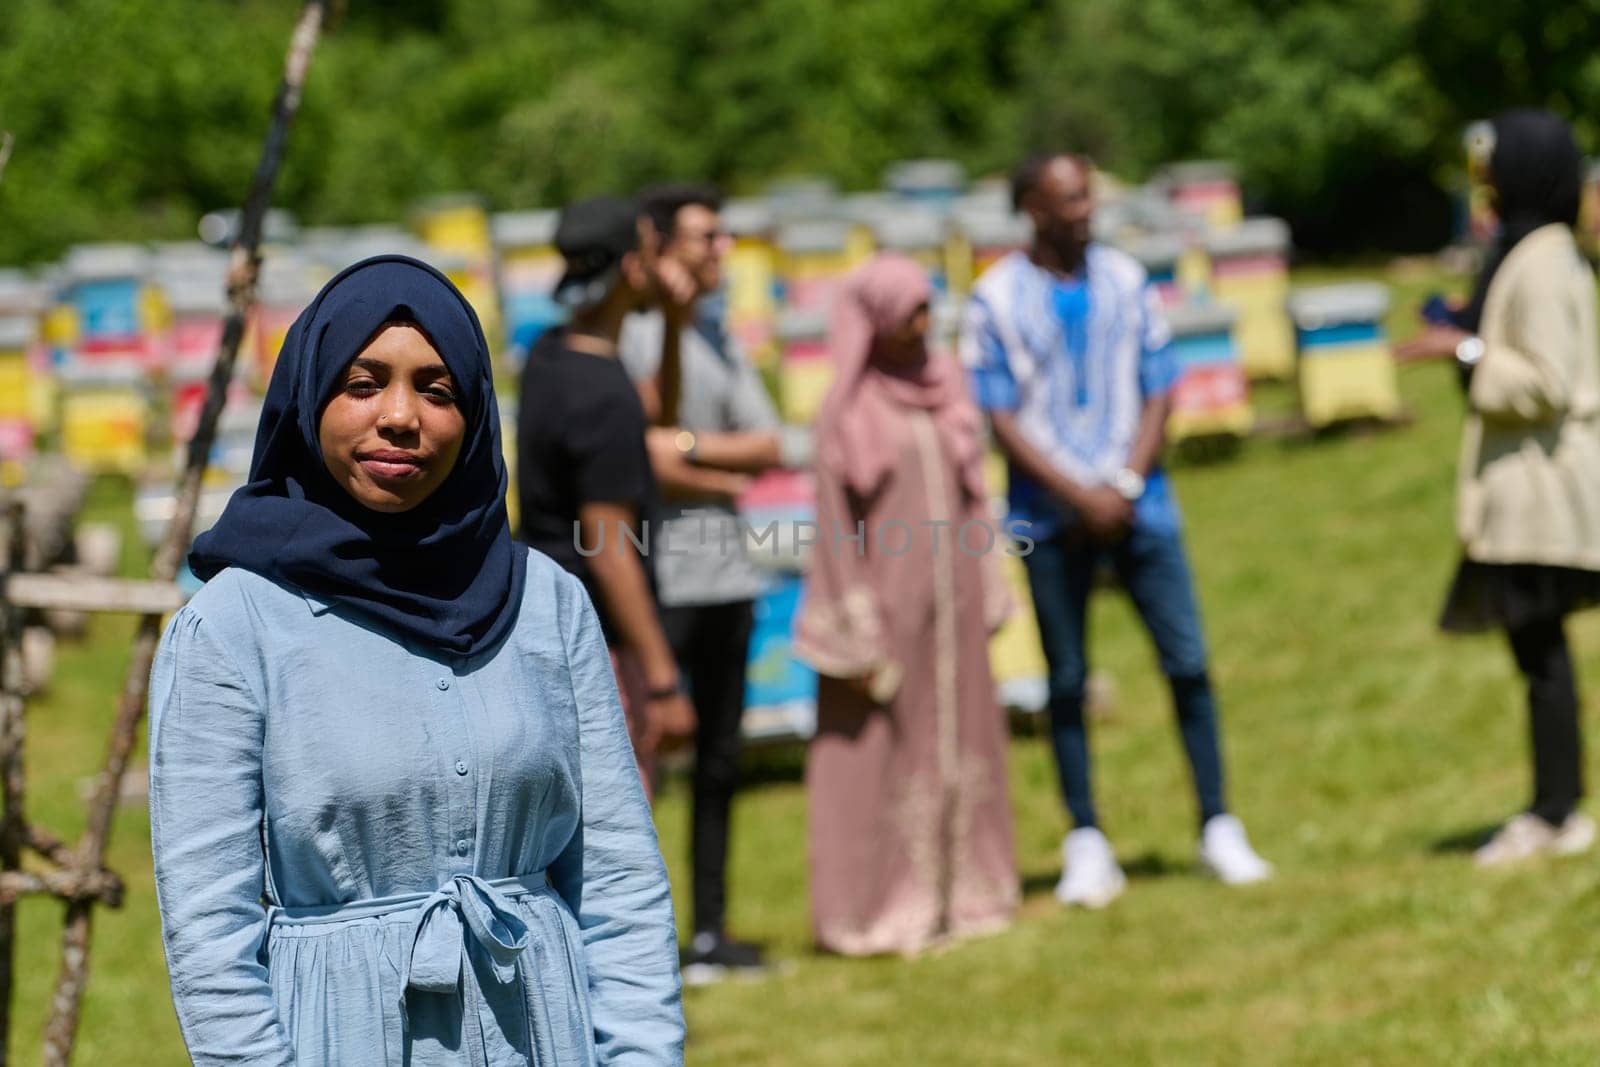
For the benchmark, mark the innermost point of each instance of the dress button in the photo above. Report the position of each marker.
(444, 683)
(461, 766)
(462, 846)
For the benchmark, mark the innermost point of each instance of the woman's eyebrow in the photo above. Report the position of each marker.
(367, 363)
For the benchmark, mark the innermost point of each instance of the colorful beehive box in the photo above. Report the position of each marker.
(1211, 397)
(814, 258)
(17, 375)
(862, 211)
(978, 238)
(288, 282)
(1250, 273)
(193, 284)
(457, 228)
(805, 369)
(937, 182)
(780, 696)
(1207, 188)
(1346, 369)
(530, 267)
(104, 418)
(800, 197)
(917, 232)
(751, 282)
(1016, 655)
(777, 511)
(1160, 255)
(30, 387)
(114, 313)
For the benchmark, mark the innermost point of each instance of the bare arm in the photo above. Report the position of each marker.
(748, 452)
(669, 379)
(683, 480)
(1152, 435)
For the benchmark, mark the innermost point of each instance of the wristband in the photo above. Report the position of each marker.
(664, 692)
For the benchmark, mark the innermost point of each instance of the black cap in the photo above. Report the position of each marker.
(593, 236)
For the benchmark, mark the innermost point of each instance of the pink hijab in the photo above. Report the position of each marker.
(856, 416)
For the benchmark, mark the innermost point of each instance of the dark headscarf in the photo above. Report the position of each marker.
(446, 573)
(1537, 172)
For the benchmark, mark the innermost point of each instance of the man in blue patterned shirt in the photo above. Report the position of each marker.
(1071, 359)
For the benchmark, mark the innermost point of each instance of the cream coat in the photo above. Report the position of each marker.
(1529, 482)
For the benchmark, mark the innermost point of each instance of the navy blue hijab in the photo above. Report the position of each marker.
(446, 573)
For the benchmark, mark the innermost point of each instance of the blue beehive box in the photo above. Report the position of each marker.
(780, 698)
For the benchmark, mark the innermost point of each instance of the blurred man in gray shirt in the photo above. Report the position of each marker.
(716, 428)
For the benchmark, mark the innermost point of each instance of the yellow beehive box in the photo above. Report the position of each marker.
(1346, 370)
(1250, 274)
(103, 429)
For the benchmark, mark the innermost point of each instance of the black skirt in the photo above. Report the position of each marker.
(1509, 596)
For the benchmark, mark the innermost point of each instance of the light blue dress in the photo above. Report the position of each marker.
(369, 853)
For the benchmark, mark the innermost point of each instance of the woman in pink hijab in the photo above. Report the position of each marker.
(910, 822)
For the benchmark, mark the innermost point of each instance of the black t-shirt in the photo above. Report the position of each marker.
(580, 440)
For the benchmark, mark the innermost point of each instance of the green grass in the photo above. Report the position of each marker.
(1365, 752)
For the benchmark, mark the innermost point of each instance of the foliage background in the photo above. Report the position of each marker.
(134, 116)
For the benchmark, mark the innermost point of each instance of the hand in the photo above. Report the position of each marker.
(661, 442)
(675, 291)
(1438, 341)
(861, 686)
(1107, 515)
(670, 721)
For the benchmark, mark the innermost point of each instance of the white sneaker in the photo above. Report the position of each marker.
(1523, 837)
(1090, 877)
(1225, 851)
(1526, 835)
(1576, 835)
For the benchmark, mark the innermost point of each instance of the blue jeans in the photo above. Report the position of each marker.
(1153, 569)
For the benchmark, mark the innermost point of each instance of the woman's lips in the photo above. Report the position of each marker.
(390, 465)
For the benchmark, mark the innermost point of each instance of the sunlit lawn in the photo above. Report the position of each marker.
(1366, 753)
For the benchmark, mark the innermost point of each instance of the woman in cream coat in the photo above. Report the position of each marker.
(1528, 494)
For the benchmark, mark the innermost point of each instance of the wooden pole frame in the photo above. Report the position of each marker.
(79, 876)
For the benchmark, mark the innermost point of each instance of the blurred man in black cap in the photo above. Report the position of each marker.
(583, 472)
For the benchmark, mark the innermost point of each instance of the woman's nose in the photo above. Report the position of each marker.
(400, 408)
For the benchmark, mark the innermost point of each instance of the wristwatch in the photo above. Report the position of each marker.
(1129, 484)
(1469, 351)
(686, 444)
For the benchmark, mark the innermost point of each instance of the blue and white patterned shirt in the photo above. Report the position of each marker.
(1075, 361)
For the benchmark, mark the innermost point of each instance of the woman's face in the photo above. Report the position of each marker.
(906, 346)
(392, 432)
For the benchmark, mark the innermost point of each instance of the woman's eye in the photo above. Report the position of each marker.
(441, 395)
(361, 387)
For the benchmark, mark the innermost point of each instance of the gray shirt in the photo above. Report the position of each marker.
(696, 548)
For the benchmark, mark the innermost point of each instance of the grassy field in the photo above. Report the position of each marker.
(1367, 754)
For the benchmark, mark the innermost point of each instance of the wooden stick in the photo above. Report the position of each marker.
(6, 142)
(102, 887)
(83, 592)
(12, 782)
(62, 1029)
(49, 846)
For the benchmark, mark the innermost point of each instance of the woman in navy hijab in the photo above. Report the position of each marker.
(393, 803)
